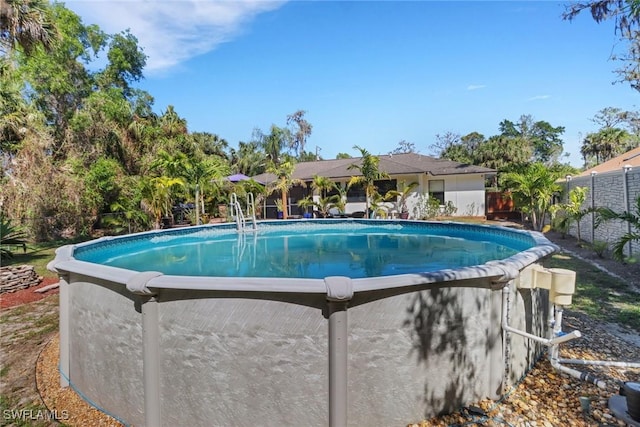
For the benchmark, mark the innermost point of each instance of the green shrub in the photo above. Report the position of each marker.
(428, 207)
(10, 237)
(599, 247)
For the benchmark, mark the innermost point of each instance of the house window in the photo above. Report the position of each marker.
(356, 193)
(436, 190)
(335, 191)
(386, 185)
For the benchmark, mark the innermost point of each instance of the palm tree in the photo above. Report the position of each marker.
(370, 173)
(402, 196)
(249, 159)
(532, 190)
(157, 196)
(169, 164)
(284, 182)
(324, 204)
(172, 124)
(380, 204)
(574, 210)
(27, 23)
(605, 144)
(322, 185)
(274, 143)
(198, 174)
(606, 214)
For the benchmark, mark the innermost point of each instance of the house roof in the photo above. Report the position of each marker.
(392, 164)
(631, 158)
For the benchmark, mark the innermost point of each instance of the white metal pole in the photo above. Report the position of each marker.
(627, 203)
(63, 325)
(338, 361)
(593, 205)
(151, 363)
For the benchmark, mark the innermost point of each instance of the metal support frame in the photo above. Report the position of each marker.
(339, 292)
(151, 362)
(64, 328)
(627, 203)
(338, 364)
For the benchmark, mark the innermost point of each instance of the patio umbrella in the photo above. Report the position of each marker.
(238, 177)
(241, 177)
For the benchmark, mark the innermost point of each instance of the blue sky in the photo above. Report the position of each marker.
(371, 73)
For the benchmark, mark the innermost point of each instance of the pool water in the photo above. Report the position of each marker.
(355, 252)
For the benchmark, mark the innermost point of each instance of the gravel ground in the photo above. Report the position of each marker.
(545, 397)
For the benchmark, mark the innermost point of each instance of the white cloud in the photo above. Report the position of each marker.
(476, 87)
(173, 31)
(537, 97)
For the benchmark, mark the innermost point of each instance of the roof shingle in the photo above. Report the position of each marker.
(392, 164)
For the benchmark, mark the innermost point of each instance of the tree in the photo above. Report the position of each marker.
(619, 132)
(532, 189)
(17, 117)
(626, 15)
(607, 214)
(57, 81)
(402, 195)
(370, 173)
(300, 133)
(157, 195)
(404, 147)
(172, 124)
(126, 62)
(605, 144)
(198, 173)
(127, 216)
(249, 159)
(452, 146)
(447, 146)
(210, 144)
(171, 165)
(572, 211)
(609, 117)
(502, 153)
(28, 24)
(275, 143)
(283, 183)
(326, 202)
(323, 185)
(542, 139)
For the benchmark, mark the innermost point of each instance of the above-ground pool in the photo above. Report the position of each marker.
(306, 322)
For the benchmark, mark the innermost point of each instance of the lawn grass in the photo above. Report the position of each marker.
(38, 255)
(598, 294)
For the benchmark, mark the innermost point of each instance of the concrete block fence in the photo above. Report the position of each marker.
(617, 190)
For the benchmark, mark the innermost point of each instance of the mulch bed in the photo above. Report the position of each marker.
(27, 295)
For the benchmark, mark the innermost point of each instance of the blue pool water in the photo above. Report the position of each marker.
(350, 249)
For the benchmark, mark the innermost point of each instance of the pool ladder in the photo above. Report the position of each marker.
(238, 215)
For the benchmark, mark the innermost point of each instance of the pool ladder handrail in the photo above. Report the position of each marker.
(238, 215)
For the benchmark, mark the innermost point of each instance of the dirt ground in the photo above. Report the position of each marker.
(25, 330)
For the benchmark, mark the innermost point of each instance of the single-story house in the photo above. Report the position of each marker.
(462, 185)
